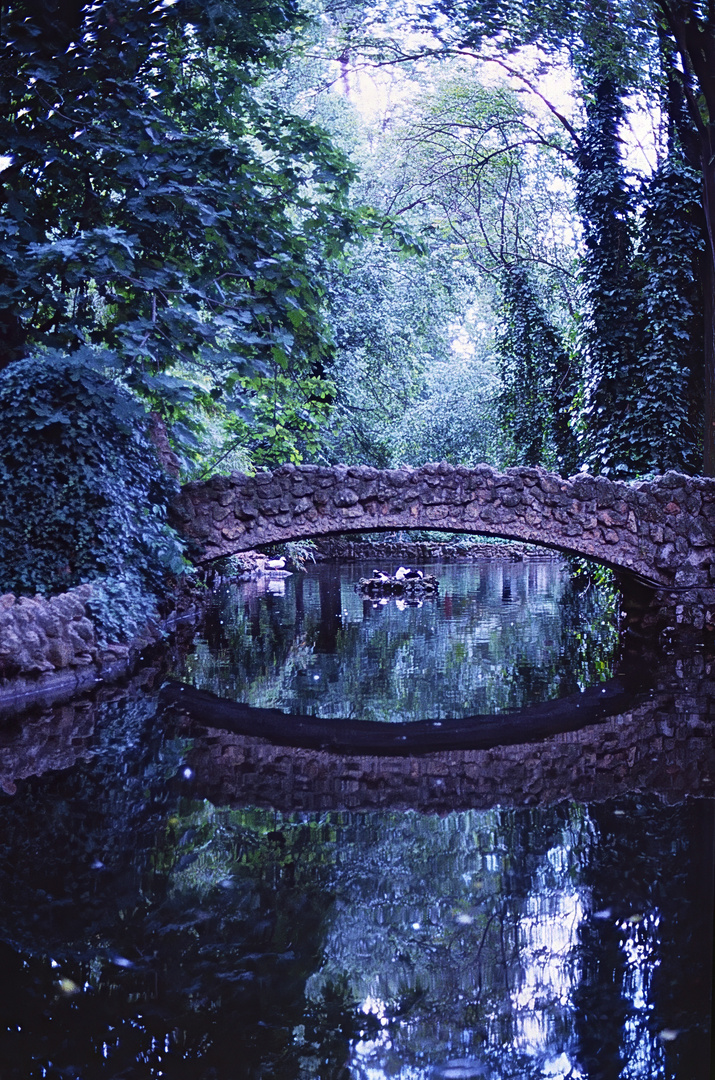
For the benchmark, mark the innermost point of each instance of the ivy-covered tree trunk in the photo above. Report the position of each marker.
(667, 379)
(609, 333)
(537, 380)
(693, 28)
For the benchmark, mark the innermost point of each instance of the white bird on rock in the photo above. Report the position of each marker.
(276, 564)
(405, 573)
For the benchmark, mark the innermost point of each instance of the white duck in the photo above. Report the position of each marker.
(405, 573)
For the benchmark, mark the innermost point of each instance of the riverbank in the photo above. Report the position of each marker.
(52, 651)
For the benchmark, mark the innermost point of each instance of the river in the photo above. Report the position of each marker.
(186, 902)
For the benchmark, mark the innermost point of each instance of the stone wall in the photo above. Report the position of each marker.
(40, 634)
(662, 531)
(428, 551)
(49, 647)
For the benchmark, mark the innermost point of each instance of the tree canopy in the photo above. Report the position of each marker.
(635, 356)
(152, 203)
(283, 270)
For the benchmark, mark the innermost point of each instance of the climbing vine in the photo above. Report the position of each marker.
(537, 378)
(82, 495)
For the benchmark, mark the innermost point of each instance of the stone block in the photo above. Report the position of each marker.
(233, 530)
(345, 497)
(60, 653)
(84, 628)
(67, 606)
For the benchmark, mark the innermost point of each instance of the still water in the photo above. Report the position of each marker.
(149, 931)
(497, 636)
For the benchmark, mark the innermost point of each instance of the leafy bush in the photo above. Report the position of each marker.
(82, 494)
(120, 608)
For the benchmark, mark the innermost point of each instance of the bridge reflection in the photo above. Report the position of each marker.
(663, 742)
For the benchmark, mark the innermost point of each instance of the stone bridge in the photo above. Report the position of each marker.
(659, 533)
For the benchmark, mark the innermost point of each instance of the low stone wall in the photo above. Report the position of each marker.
(40, 634)
(428, 550)
(50, 648)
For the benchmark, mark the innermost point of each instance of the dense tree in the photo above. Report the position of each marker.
(153, 202)
(610, 332)
(613, 59)
(615, 50)
(538, 379)
(390, 318)
(163, 197)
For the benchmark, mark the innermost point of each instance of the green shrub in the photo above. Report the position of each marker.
(120, 608)
(82, 494)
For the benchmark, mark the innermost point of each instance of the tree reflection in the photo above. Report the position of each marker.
(143, 934)
(498, 637)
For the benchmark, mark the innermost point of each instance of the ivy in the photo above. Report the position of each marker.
(82, 495)
(610, 330)
(640, 340)
(538, 379)
(666, 430)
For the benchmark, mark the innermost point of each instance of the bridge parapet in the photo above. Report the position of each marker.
(661, 531)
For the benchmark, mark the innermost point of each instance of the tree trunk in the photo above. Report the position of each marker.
(694, 36)
(709, 314)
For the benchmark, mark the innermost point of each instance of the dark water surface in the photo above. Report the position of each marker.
(149, 931)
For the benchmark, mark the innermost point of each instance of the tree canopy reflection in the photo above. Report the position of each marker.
(142, 931)
(497, 637)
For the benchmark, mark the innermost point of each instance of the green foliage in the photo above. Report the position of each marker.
(643, 323)
(537, 379)
(282, 416)
(120, 607)
(489, 177)
(299, 552)
(393, 319)
(82, 495)
(154, 203)
(455, 418)
(610, 332)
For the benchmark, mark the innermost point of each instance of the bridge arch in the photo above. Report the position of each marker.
(661, 531)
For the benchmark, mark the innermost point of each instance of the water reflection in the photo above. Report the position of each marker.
(147, 934)
(204, 906)
(498, 636)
